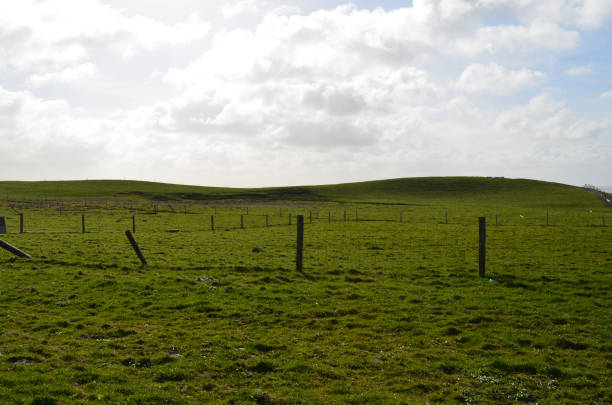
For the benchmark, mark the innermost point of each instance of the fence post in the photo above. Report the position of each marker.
(344, 215)
(136, 247)
(496, 223)
(329, 216)
(155, 209)
(14, 250)
(20, 223)
(212, 223)
(446, 218)
(266, 221)
(247, 210)
(82, 223)
(311, 217)
(134, 223)
(547, 217)
(300, 243)
(482, 233)
(242, 221)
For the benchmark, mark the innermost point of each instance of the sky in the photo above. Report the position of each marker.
(253, 93)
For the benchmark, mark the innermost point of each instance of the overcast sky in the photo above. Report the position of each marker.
(287, 92)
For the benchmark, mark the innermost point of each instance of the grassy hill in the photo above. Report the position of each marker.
(419, 191)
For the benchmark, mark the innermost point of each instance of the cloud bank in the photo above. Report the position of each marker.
(287, 96)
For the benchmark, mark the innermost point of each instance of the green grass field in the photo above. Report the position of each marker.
(389, 309)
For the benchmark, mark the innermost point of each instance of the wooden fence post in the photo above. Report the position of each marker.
(344, 215)
(329, 216)
(446, 218)
(136, 247)
(311, 217)
(82, 223)
(14, 250)
(496, 223)
(212, 223)
(300, 243)
(266, 220)
(482, 240)
(20, 223)
(242, 221)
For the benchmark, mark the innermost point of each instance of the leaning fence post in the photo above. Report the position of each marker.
(20, 223)
(300, 243)
(136, 247)
(482, 233)
(14, 250)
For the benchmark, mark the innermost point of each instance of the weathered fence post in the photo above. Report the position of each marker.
(14, 250)
(300, 243)
(134, 223)
(82, 223)
(2, 225)
(20, 223)
(482, 240)
(155, 209)
(247, 210)
(212, 223)
(136, 247)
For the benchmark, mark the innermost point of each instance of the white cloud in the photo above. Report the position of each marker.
(546, 118)
(496, 79)
(537, 36)
(68, 75)
(239, 7)
(579, 71)
(607, 95)
(41, 35)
